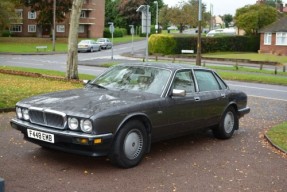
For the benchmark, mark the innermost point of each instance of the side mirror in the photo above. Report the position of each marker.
(178, 93)
(85, 82)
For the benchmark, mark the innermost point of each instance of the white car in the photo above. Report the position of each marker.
(105, 43)
(221, 32)
(88, 45)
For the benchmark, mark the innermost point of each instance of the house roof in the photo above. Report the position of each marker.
(278, 26)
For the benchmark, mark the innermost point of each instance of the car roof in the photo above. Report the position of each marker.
(170, 66)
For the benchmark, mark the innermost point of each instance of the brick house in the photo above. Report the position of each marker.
(91, 22)
(273, 38)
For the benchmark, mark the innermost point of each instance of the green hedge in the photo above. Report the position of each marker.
(119, 32)
(158, 44)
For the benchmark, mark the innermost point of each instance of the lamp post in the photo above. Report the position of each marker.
(156, 21)
(54, 26)
(198, 55)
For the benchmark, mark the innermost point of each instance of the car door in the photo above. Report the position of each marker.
(180, 113)
(211, 95)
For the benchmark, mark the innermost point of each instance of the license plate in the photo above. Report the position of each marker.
(47, 137)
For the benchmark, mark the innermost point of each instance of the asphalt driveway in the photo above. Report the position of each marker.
(196, 162)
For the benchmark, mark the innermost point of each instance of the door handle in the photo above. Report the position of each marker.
(222, 95)
(197, 98)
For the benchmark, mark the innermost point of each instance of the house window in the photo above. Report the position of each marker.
(81, 29)
(60, 28)
(19, 13)
(16, 28)
(267, 38)
(281, 38)
(31, 15)
(83, 14)
(32, 28)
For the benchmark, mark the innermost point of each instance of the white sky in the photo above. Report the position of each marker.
(220, 7)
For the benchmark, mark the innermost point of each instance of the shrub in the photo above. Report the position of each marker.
(119, 32)
(209, 44)
(6, 33)
(164, 44)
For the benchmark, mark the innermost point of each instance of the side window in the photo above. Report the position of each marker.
(206, 80)
(221, 82)
(183, 80)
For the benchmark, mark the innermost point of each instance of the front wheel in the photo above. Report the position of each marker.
(130, 145)
(228, 124)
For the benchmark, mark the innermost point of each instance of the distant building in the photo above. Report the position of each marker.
(91, 22)
(273, 38)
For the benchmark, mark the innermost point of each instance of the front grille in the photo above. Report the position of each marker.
(48, 118)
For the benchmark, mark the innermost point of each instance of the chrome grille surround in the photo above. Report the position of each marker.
(47, 117)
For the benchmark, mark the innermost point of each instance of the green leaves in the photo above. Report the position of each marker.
(251, 18)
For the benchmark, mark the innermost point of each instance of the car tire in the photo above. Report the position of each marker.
(99, 49)
(92, 50)
(228, 124)
(130, 145)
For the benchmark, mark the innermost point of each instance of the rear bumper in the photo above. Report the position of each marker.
(244, 111)
(68, 141)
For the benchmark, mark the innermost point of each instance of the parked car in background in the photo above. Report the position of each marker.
(221, 32)
(88, 45)
(105, 43)
(124, 110)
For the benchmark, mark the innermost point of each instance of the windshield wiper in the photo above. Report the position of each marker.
(99, 86)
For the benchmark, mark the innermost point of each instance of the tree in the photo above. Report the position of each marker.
(186, 13)
(72, 61)
(227, 19)
(112, 13)
(7, 11)
(127, 10)
(45, 8)
(253, 17)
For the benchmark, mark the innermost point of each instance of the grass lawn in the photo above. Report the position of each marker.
(278, 135)
(250, 56)
(28, 45)
(14, 88)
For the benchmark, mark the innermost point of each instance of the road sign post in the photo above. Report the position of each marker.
(112, 30)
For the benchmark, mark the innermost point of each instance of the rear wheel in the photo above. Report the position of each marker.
(228, 124)
(130, 145)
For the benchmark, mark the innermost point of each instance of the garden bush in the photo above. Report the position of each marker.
(209, 44)
(119, 32)
(164, 44)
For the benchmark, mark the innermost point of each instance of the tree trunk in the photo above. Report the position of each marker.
(72, 60)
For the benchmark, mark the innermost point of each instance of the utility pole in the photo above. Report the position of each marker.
(198, 55)
(54, 26)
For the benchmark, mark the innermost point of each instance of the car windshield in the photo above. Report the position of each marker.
(136, 78)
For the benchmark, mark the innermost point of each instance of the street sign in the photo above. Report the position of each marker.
(146, 22)
(112, 29)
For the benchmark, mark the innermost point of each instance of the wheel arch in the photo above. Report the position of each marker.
(143, 118)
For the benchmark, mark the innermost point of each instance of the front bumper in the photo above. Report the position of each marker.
(244, 111)
(66, 140)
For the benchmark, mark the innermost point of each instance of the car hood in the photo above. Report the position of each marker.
(84, 102)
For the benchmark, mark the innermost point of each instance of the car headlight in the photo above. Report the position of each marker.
(19, 112)
(86, 126)
(25, 113)
(73, 123)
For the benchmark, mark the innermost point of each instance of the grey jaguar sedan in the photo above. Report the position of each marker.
(130, 106)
